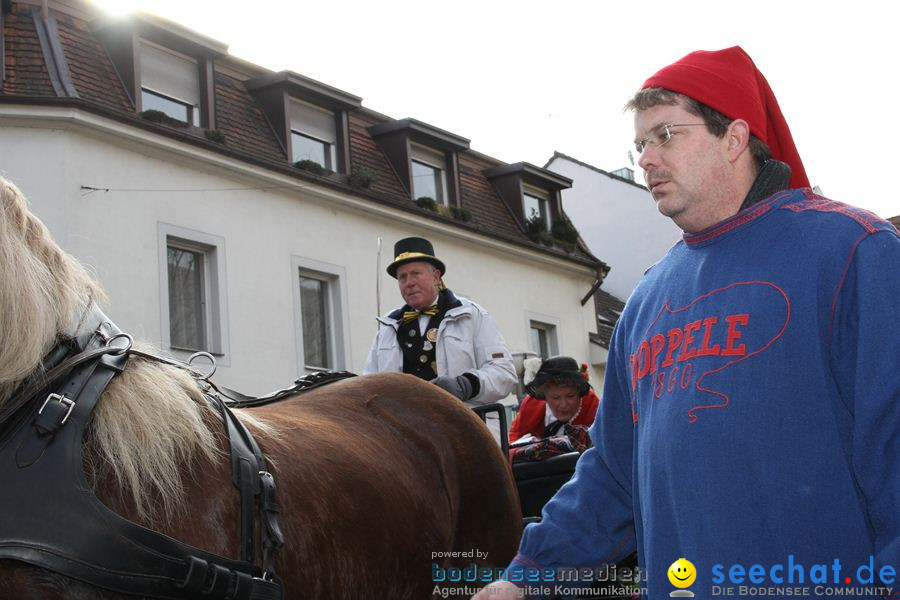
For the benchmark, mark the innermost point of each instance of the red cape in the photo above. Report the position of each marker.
(530, 418)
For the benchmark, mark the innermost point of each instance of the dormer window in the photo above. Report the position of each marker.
(163, 66)
(310, 119)
(536, 205)
(170, 82)
(313, 134)
(429, 173)
(530, 192)
(424, 158)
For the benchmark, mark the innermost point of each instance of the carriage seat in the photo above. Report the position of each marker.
(537, 481)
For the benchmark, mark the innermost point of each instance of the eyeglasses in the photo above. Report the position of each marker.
(660, 135)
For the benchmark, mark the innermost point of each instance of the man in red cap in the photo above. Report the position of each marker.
(749, 433)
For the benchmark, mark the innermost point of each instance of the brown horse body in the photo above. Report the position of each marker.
(375, 474)
(379, 477)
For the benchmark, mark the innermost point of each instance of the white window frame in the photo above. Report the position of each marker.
(543, 198)
(193, 104)
(299, 109)
(216, 309)
(548, 324)
(430, 158)
(336, 299)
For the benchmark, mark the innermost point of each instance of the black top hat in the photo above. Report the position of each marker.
(413, 249)
(561, 370)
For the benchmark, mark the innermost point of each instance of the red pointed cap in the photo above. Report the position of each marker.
(728, 81)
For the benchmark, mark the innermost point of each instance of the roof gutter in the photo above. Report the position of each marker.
(602, 272)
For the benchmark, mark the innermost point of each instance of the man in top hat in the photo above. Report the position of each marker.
(437, 336)
(750, 421)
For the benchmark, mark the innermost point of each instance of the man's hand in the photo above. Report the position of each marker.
(459, 386)
(500, 590)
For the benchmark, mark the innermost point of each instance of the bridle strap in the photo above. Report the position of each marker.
(251, 477)
(308, 382)
(44, 381)
(68, 530)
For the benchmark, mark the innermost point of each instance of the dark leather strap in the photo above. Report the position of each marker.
(303, 384)
(53, 414)
(250, 476)
(42, 382)
(67, 530)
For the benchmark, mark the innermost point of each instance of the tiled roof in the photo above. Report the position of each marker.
(609, 309)
(90, 66)
(26, 72)
(365, 152)
(488, 211)
(248, 133)
(242, 121)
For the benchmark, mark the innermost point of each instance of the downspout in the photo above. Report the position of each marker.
(602, 272)
(4, 8)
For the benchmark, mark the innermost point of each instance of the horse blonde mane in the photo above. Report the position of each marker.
(43, 291)
(152, 420)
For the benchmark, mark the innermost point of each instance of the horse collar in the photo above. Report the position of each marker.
(66, 528)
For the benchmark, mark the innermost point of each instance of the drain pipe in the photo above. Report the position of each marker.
(5, 7)
(602, 272)
(2, 45)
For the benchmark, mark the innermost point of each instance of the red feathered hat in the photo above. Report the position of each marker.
(729, 82)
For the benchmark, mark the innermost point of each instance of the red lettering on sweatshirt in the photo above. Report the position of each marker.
(675, 337)
(672, 356)
(705, 348)
(725, 335)
(656, 345)
(687, 352)
(643, 360)
(733, 334)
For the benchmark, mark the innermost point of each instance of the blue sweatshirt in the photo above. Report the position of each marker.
(750, 414)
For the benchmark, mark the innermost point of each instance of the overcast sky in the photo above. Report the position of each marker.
(522, 79)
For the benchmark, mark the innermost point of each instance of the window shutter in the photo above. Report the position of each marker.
(313, 121)
(427, 155)
(169, 73)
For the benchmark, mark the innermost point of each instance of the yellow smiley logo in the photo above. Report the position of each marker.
(682, 573)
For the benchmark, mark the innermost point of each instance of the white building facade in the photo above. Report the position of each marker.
(205, 245)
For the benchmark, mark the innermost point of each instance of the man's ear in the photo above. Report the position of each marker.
(737, 137)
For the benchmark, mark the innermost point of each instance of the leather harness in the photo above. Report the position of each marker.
(50, 517)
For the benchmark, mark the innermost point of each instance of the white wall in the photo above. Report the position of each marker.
(51, 152)
(619, 222)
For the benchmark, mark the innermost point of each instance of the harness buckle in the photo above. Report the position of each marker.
(68, 403)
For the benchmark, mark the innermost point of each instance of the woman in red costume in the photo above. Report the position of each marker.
(558, 394)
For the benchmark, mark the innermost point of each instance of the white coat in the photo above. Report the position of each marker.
(469, 341)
